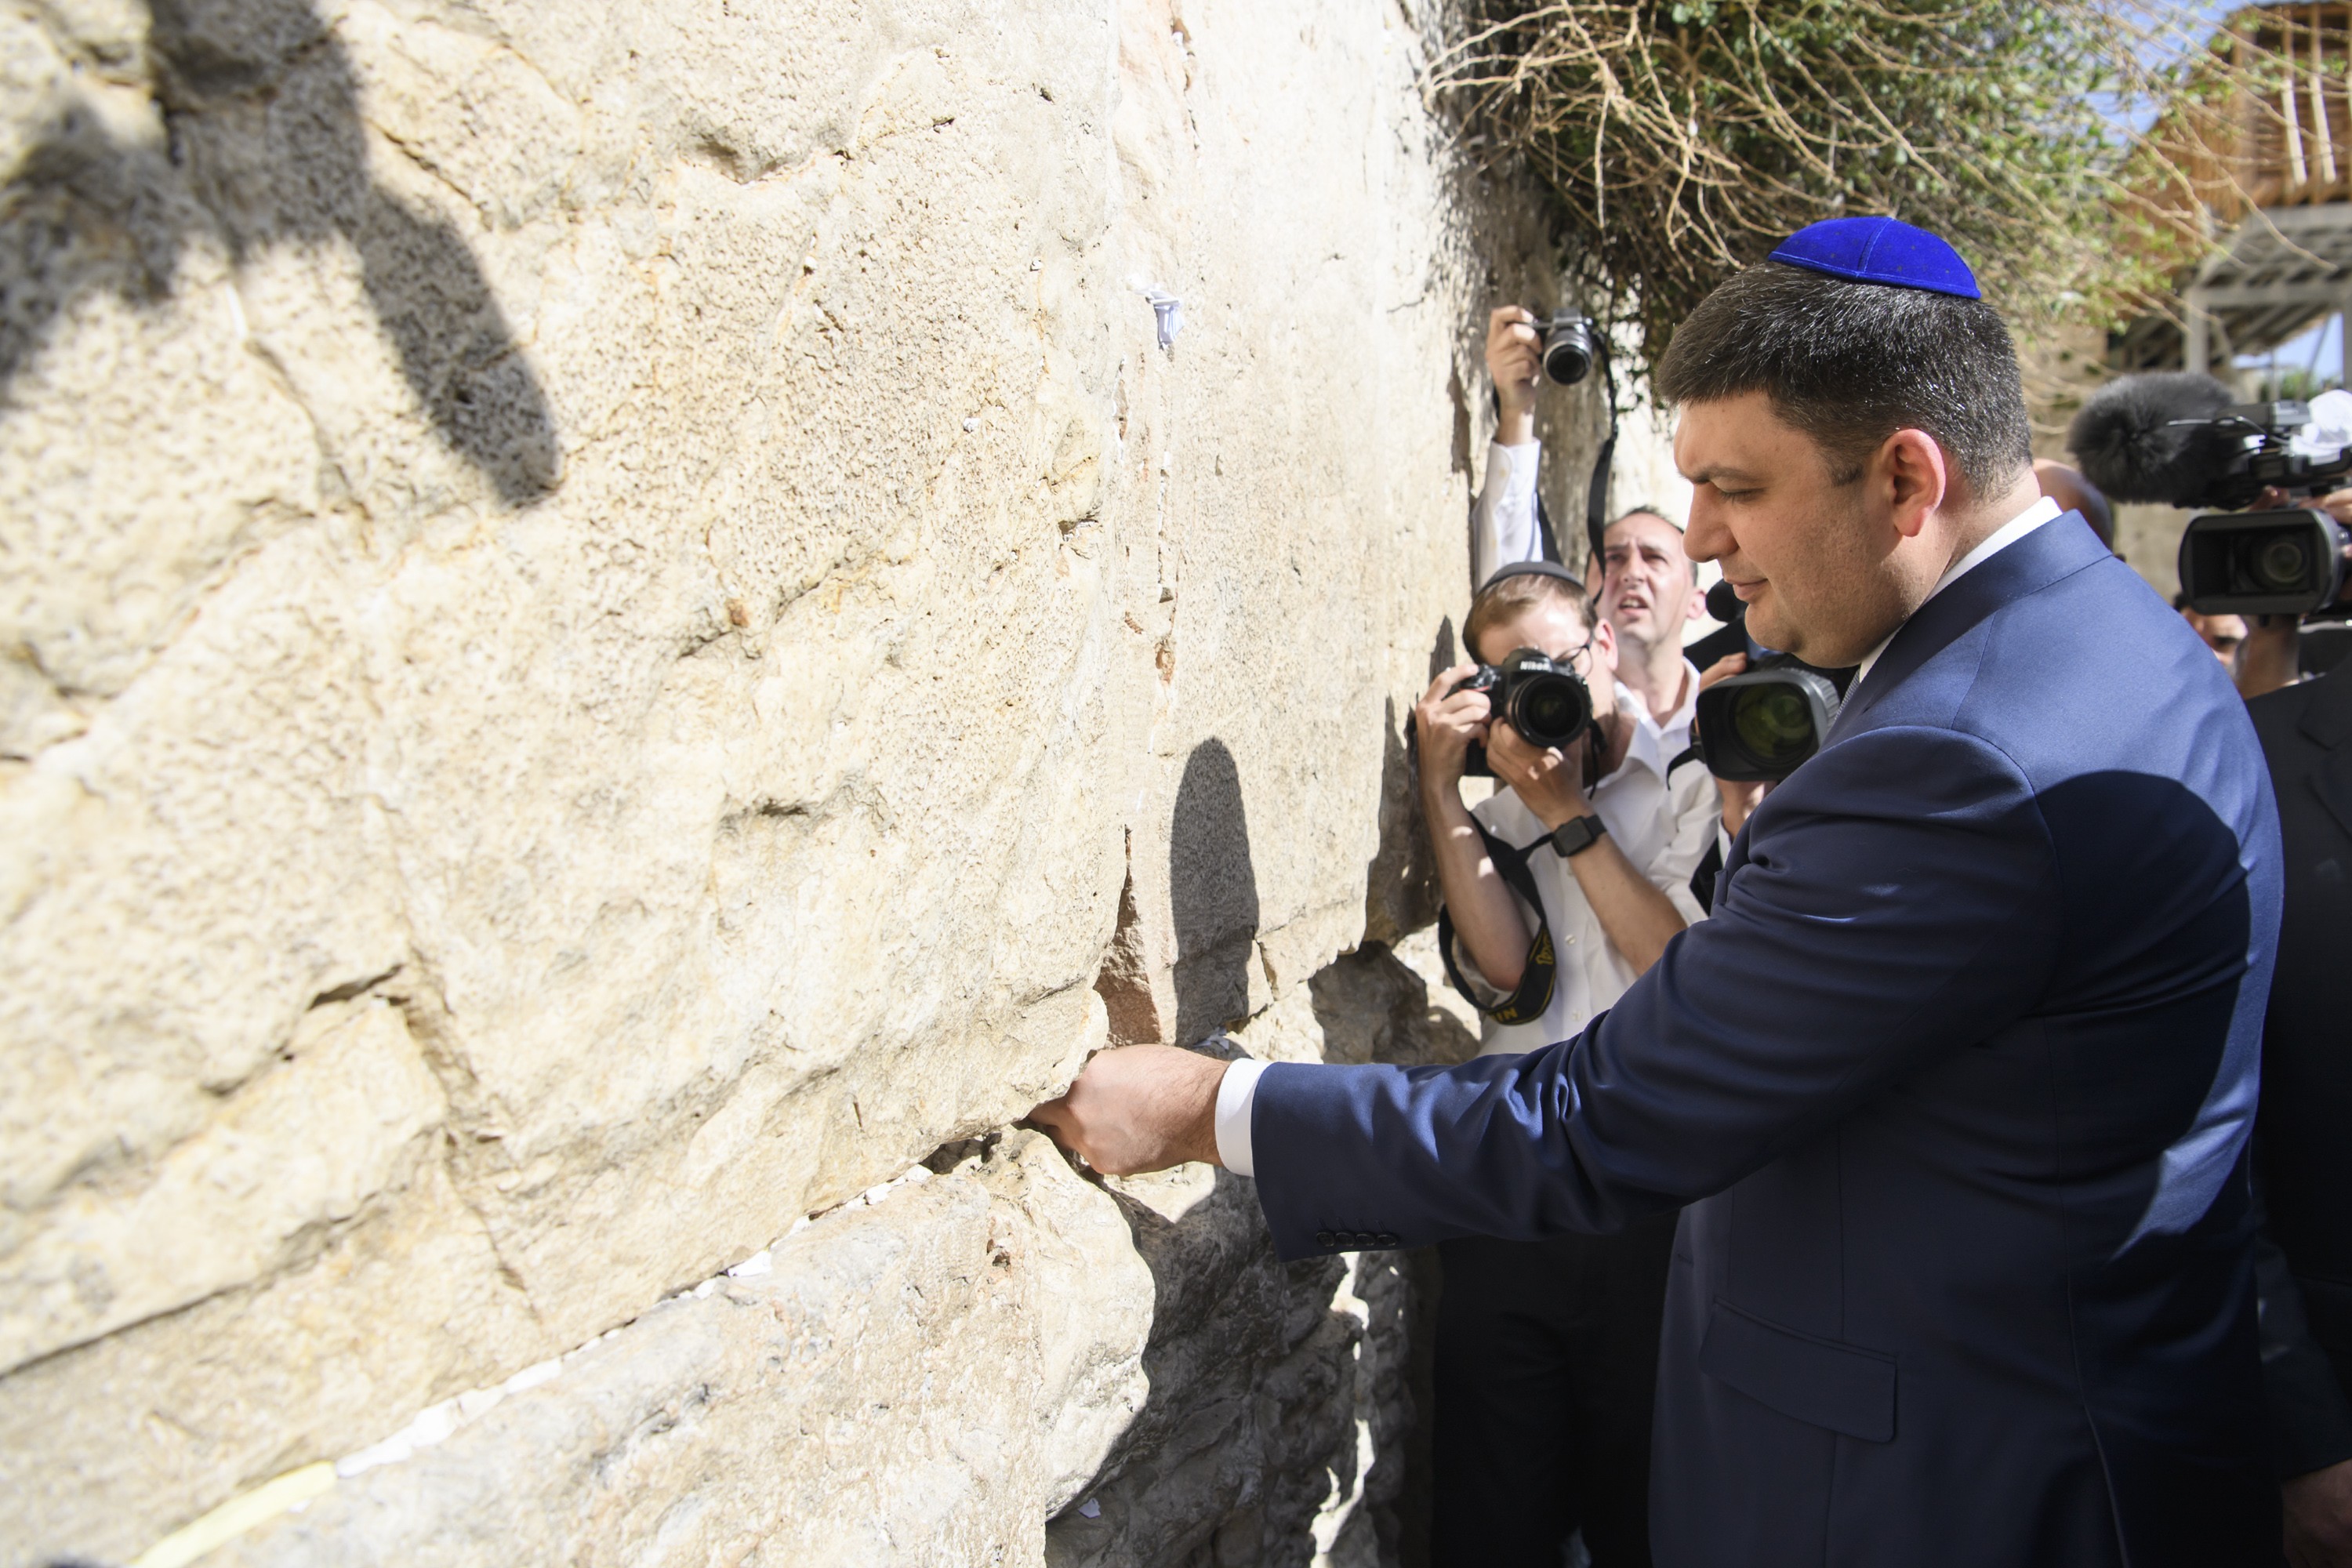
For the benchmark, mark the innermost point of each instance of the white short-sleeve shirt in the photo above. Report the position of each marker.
(1662, 824)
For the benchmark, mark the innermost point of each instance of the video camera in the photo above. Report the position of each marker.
(1541, 697)
(2177, 437)
(1761, 724)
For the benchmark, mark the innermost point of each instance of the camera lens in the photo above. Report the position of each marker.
(1773, 722)
(1568, 350)
(2282, 564)
(1549, 710)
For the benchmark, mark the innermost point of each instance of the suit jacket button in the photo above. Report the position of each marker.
(1385, 1239)
(1325, 1238)
(1364, 1238)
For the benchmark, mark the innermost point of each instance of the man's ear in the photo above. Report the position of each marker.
(1605, 645)
(1912, 478)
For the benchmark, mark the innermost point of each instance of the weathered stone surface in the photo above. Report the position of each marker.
(929, 1373)
(614, 627)
(921, 1380)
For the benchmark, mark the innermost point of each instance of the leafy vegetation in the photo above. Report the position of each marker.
(1685, 137)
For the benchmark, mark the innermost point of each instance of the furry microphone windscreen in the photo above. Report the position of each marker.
(2150, 438)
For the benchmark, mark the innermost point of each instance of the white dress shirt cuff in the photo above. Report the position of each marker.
(1514, 467)
(1236, 1097)
(1506, 530)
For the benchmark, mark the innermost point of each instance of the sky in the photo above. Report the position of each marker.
(2321, 349)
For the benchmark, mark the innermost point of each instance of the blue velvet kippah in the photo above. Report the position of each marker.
(1880, 250)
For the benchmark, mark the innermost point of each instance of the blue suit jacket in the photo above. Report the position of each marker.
(1955, 1083)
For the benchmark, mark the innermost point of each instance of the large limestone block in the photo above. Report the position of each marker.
(607, 615)
(704, 898)
(918, 1381)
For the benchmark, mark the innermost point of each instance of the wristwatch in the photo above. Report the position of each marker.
(1578, 833)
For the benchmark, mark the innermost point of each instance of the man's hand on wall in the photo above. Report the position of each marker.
(1139, 1107)
(2319, 1517)
(1514, 358)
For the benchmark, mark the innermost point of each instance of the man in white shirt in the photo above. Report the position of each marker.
(1546, 1354)
(1649, 592)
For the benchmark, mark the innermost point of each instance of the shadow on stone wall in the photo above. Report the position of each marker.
(1271, 1381)
(265, 146)
(1400, 880)
(1212, 895)
(1227, 1462)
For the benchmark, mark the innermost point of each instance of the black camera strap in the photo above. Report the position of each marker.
(1596, 496)
(1526, 1004)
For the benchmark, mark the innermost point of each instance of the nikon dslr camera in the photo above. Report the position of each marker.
(1543, 700)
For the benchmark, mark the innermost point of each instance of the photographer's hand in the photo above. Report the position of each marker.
(1445, 722)
(1548, 780)
(2319, 1517)
(1514, 358)
(1638, 919)
(1729, 665)
(1486, 913)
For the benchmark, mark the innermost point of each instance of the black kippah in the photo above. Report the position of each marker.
(1534, 569)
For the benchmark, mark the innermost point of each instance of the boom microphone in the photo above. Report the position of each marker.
(2157, 438)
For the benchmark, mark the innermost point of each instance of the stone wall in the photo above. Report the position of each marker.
(616, 630)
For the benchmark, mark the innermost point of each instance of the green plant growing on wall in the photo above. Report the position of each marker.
(1683, 138)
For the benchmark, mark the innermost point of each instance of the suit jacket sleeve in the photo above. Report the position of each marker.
(1893, 901)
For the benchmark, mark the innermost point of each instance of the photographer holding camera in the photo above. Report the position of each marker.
(2269, 653)
(1649, 586)
(1507, 525)
(1560, 889)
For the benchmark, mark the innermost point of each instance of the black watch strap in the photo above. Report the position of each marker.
(1578, 833)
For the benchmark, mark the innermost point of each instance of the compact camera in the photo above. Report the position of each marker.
(1569, 346)
(1541, 697)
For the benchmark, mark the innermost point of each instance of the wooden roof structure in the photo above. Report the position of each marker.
(2259, 156)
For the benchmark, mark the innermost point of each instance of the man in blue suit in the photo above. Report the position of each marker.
(1956, 1080)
